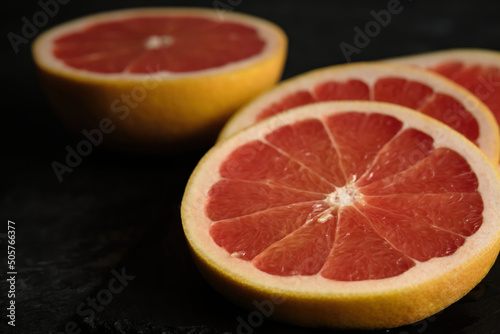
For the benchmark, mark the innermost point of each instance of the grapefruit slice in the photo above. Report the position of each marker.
(475, 69)
(415, 88)
(344, 214)
(162, 75)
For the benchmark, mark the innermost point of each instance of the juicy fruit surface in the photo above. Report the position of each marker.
(351, 197)
(482, 81)
(152, 44)
(412, 94)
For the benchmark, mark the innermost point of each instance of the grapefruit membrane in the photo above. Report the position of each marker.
(477, 70)
(344, 214)
(411, 87)
(162, 75)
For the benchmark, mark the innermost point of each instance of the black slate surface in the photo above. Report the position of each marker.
(117, 215)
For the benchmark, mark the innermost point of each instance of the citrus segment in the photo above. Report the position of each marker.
(348, 90)
(361, 253)
(302, 252)
(358, 138)
(475, 69)
(463, 210)
(449, 111)
(410, 94)
(315, 150)
(234, 198)
(259, 162)
(378, 237)
(410, 87)
(249, 235)
(408, 148)
(163, 76)
(420, 242)
(288, 102)
(441, 172)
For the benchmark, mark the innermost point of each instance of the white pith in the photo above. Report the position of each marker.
(43, 46)
(158, 41)
(196, 224)
(370, 73)
(343, 196)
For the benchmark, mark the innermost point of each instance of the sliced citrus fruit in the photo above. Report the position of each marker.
(403, 85)
(344, 214)
(162, 75)
(477, 70)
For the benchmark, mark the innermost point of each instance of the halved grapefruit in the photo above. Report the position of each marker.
(344, 214)
(162, 75)
(403, 85)
(477, 70)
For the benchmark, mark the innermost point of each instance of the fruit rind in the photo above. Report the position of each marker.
(393, 309)
(315, 301)
(485, 57)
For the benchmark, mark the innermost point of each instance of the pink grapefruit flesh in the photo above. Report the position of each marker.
(353, 214)
(477, 70)
(412, 94)
(173, 44)
(351, 197)
(483, 81)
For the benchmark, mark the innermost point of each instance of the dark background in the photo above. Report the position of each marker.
(121, 212)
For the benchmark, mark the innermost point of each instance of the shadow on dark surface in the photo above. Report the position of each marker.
(171, 295)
